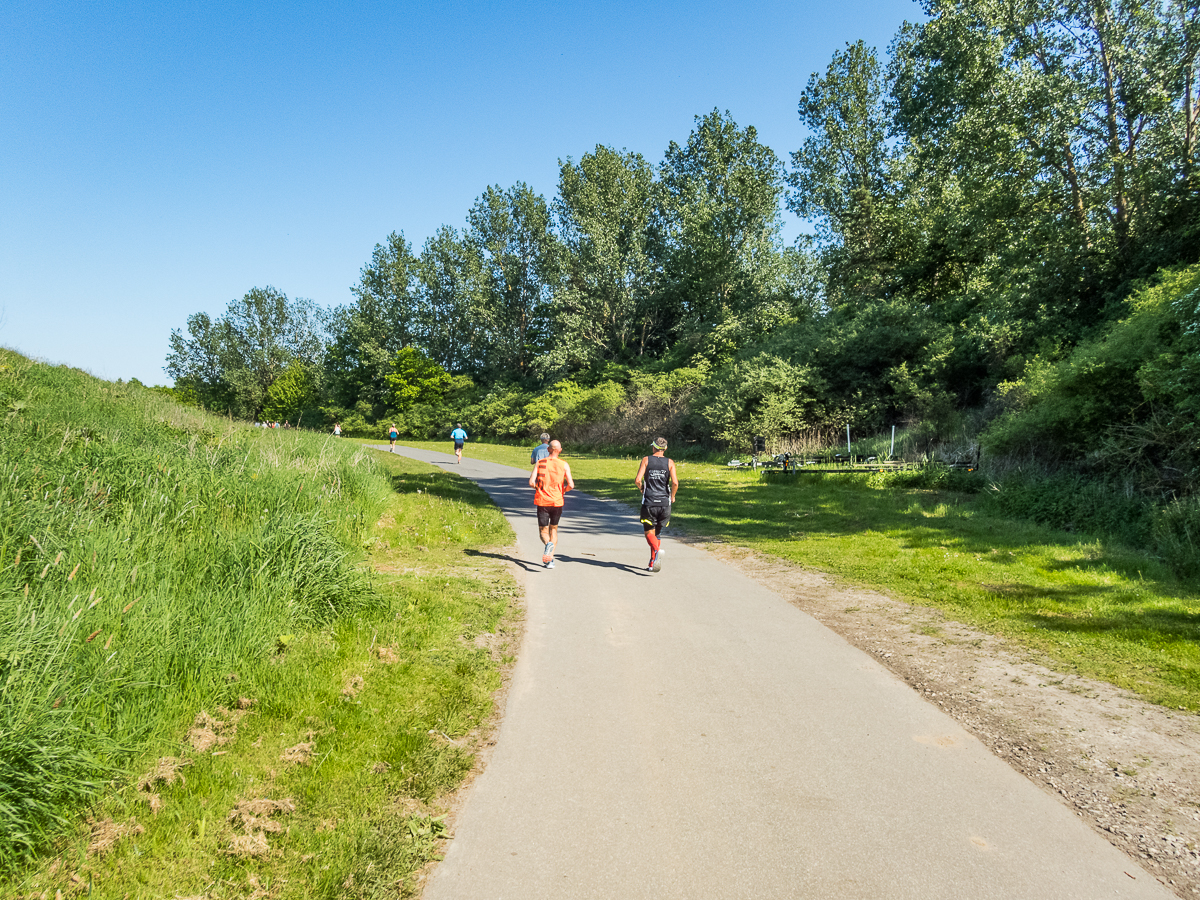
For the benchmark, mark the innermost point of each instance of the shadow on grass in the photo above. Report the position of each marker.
(503, 557)
(751, 511)
(442, 485)
(1153, 627)
(1018, 592)
(783, 512)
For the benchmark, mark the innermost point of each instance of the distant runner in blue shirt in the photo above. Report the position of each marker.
(458, 436)
(541, 451)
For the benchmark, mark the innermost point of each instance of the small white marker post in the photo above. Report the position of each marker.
(848, 443)
(892, 452)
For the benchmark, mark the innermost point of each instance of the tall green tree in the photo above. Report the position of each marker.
(386, 315)
(511, 230)
(415, 378)
(843, 177)
(294, 396)
(239, 356)
(1061, 127)
(716, 228)
(605, 305)
(454, 296)
(195, 362)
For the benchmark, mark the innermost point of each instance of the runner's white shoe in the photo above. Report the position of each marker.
(656, 563)
(550, 565)
(547, 553)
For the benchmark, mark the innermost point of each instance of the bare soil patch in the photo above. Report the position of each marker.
(1129, 768)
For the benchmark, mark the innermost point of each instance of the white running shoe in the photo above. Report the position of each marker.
(547, 554)
(656, 563)
(550, 565)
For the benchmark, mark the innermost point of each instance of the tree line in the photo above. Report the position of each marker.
(985, 198)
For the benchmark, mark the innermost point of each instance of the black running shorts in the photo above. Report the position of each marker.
(458, 445)
(549, 515)
(655, 518)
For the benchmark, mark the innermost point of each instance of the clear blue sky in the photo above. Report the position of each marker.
(158, 159)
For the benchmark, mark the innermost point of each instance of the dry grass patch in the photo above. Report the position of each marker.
(248, 846)
(105, 833)
(300, 754)
(387, 656)
(257, 815)
(166, 771)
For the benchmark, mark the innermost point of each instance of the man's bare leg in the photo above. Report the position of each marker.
(549, 536)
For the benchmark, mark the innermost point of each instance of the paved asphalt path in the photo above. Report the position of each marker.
(690, 734)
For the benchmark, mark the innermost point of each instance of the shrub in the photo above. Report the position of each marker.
(762, 395)
(1142, 373)
(1074, 502)
(1176, 528)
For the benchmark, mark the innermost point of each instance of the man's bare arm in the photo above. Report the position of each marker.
(641, 471)
(568, 482)
(674, 481)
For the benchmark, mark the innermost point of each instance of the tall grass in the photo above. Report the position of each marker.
(150, 555)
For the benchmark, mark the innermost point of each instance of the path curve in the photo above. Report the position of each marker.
(690, 734)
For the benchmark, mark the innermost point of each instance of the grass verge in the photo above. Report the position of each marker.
(327, 772)
(1090, 606)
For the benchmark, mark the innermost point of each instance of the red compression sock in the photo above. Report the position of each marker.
(652, 540)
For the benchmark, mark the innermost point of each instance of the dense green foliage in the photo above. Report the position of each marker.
(984, 200)
(148, 551)
(1119, 417)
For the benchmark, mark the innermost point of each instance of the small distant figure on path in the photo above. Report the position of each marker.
(337, 429)
(550, 479)
(392, 435)
(541, 451)
(458, 436)
(657, 481)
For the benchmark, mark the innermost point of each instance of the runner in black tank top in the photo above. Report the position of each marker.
(657, 481)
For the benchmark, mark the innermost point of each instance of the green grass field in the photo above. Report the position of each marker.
(1092, 607)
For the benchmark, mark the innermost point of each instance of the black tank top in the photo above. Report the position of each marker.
(657, 490)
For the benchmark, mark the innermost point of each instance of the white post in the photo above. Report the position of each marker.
(848, 442)
(892, 452)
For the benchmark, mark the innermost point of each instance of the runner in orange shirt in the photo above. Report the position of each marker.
(550, 479)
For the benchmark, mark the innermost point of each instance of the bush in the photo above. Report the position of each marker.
(934, 476)
(762, 395)
(1176, 528)
(1074, 502)
(1137, 385)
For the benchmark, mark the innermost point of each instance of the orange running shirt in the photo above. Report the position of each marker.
(552, 473)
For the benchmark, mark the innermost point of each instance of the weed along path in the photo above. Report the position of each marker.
(691, 734)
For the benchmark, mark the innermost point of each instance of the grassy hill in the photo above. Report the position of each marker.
(158, 564)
